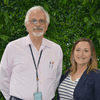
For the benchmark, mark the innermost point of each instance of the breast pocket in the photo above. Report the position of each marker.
(51, 70)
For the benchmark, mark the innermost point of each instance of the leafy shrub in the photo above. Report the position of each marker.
(69, 21)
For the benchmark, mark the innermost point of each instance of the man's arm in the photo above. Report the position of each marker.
(59, 70)
(5, 72)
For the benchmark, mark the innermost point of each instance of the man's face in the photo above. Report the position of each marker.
(37, 24)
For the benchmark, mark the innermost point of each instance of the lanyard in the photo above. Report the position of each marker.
(36, 67)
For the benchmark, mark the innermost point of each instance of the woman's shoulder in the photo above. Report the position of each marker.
(64, 75)
(96, 73)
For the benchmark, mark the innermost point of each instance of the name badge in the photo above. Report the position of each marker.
(38, 95)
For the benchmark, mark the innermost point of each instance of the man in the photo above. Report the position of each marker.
(31, 66)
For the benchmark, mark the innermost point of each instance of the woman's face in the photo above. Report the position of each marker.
(82, 53)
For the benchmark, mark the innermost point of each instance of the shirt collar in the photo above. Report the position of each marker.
(28, 40)
(45, 42)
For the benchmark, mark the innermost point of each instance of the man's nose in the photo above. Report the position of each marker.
(38, 23)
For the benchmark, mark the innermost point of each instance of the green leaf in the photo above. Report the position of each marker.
(1, 26)
(46, 7)
(98, 32)
(93, 18)
(64, 2)
(6, 2)
(6, 18)
(89, 23)
(86, 19)
(4, 38)
(84, 2)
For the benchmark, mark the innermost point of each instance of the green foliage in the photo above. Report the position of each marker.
(69, 21)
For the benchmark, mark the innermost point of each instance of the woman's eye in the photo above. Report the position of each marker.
(86, 50)
(77, 50)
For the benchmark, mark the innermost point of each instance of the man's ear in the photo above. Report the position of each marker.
(26, 24)
(47, 24)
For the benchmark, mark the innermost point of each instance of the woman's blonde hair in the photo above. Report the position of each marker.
(93, 60)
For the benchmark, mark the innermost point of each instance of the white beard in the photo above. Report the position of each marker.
(38, 33)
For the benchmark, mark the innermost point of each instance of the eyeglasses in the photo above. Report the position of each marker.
(41, 21)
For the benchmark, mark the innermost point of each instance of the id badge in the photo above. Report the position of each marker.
(38, 95)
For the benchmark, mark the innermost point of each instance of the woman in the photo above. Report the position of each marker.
(82, 80)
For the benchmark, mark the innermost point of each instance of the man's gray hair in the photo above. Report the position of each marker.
(40, 8)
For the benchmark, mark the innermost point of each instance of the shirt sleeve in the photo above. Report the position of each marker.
(59, 70)
(5, 72)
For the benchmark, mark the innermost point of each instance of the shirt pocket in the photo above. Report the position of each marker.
(51, 70)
